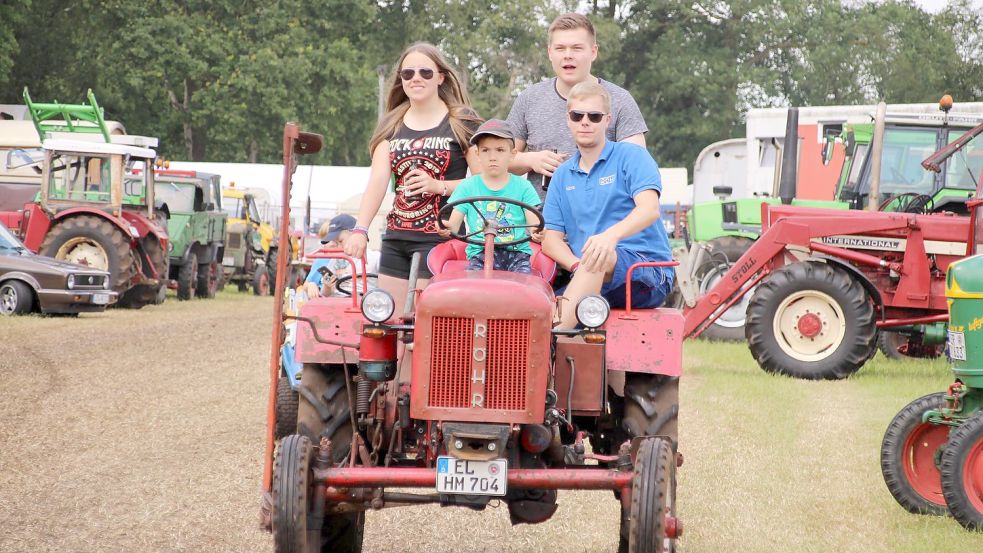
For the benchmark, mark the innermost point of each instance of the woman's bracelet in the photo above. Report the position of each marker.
(446, 191)
(361, 230)
(574, 267)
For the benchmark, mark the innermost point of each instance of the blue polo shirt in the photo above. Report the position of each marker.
(581, 204)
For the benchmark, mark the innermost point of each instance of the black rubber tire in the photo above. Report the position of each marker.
(123, 264)
(653, 496)
(158, 258)
(327, 384)
(895, 455)
(889, 342)
(208, 280)
(651, 407)
(859, 339)
(724, 252)
(262, 282)
(286, 409)
(965, 499)
(16, 298)
(292, 497)
(187, 278)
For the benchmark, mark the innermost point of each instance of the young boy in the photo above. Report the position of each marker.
(495, 143)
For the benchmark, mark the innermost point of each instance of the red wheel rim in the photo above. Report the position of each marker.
(973, 475)
(918, 459)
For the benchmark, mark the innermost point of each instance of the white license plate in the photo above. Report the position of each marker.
(228, 261)
(957, 346)
(472, 477)
(100, 299)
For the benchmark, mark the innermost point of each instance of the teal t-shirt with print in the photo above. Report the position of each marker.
(518, 189)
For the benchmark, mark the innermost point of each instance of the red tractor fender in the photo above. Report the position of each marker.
(120, 223)
(145, 226)
(875, 294)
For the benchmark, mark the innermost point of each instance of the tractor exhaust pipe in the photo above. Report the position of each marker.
(790, 157)
(877, 146)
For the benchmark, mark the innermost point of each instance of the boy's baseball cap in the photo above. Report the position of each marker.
(493, 127)
(339, 223)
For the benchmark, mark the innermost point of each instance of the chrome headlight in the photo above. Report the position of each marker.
(71, 282)
(593, 311)
(105, 282)
(378, 306)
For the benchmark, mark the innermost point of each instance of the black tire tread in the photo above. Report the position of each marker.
(891, 455)
(123, 263)
(860, 339)
(651, 406)
(326, 382)
(291, 482)
(952, 468)
(286, 408)
(25, 296)
(187, 278)
(643, 529)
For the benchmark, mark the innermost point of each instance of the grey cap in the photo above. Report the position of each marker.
(493, 127)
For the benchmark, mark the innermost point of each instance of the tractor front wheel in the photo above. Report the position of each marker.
(295, 530)
(895, 345)
(261, 281)
(649, 524)
(187, 278)
(208, 280)
(909, 452)
(962, 473)
(811, 320)
(724, 253)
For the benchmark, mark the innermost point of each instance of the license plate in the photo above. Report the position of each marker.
(100, 299)
(472, 477)
(228, 261)
(957, 346)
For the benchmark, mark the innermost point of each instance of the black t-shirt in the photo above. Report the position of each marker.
(435, 151)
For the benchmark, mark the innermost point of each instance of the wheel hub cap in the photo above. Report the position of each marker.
(809, 325)
(83, 251)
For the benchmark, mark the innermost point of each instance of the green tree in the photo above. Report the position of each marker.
(12, 15)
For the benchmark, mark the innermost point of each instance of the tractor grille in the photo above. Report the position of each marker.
(508, 359)
(730, 212)
(234, 241)
(505, 366)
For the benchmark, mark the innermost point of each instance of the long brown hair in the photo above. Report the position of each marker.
(452, 91)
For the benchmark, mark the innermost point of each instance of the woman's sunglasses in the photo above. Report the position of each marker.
(407, 74)
(592, 116)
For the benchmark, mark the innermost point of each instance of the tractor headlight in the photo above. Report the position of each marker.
(378, 306)
(593, 311)
(71, 282)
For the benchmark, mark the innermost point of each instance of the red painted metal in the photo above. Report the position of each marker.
(934, 162)
(674, 527)
(632, 269)
(973, 475)
(650, 342)
(929, 319)
(809, 325)
(336, 321)
(378, 349)
(918, 458)
(508, 362)
(851, 255)
(409, 477)
(450, 362)
(36, 226)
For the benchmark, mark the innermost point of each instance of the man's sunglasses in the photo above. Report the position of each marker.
(592, 116)
(407, 74)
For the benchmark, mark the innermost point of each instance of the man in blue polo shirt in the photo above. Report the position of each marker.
(602, 212)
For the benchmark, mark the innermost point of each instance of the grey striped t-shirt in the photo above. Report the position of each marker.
(539, 114)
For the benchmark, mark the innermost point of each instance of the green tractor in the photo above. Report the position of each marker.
(196, 228)
(932, 452)
(723, 230)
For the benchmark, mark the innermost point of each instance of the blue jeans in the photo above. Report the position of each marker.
(649, 287)
(505, 260)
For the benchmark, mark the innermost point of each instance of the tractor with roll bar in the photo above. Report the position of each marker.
(473, 395)
(825, 281)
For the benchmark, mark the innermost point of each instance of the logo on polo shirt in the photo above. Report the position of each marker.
(571, 187)
(604, 181)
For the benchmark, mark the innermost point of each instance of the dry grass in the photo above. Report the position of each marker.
(113, 440)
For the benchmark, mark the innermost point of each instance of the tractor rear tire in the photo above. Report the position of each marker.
(16, 298)
(208, 281)
(889, 342)
(908, 453)
(962, 473)
(74, 238)
(286, 408)
(187, 278)
(331, 416)
(811, 320)
(261, 281)
(651, 407)
(293, 487)
(653, 498)
(724, 252)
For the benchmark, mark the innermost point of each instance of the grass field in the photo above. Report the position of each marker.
(142, 431)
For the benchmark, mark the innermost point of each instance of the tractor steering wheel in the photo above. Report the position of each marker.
(343, 284)
(908, 202)
(470, 237)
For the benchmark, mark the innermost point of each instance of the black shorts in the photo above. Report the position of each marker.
(397, 254)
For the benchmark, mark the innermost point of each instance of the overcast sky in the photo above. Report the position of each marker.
(936, 5)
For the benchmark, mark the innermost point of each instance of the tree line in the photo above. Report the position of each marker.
(215, 80)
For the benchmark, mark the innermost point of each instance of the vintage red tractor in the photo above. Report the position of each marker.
(488, 401)
(824, 281)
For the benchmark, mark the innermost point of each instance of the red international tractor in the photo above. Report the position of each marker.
(824, 281)
(488, 401)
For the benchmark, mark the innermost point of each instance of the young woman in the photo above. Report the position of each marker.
(422, 141)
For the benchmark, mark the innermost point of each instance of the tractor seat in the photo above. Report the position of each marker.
(449, 256)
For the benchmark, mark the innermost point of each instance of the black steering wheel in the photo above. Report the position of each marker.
(344, 283)
(908, 202)
(470, 237)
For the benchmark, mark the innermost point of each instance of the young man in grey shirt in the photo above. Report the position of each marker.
(539, 114)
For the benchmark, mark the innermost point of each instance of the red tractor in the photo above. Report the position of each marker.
(488, 401)
(824, 281)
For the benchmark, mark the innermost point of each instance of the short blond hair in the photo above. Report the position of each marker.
(589, 89)
(571, 22)
(323, 231)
